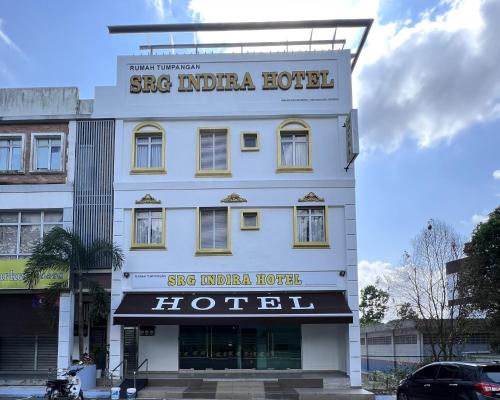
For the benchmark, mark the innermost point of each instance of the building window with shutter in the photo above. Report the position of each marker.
(294, 146)
(213, 231)
(47, 152)
(11, 153)
(148, 150)
(249, 220)
(311, 227)
(213, 156)
(148, 228)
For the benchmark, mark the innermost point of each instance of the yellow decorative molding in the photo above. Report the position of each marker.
(311, 197)
(233, 198)
(148, 199)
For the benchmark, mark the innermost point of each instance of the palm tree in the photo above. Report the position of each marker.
(64, 251)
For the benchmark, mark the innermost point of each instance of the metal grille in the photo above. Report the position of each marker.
(93, 210)
(28, 353)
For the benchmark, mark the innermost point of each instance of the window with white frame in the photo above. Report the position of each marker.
(20, 230)
(213, 151)
(148, 151)
(11, 153)
(148, 147)
(311, 226)
(148, 227)
(47, 153)
(294, 149)
(294, 146)
(213, 229)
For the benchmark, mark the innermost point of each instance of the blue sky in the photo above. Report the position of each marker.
(426, 86)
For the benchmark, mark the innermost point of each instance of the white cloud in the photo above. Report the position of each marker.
(426, 80)
(373, 272)
(477, 218)
(431, 80)
(158, 7)
(8, 41)
(496, 174)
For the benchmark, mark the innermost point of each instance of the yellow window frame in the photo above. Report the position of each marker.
(213, 252)
(146, 129)
(244, 227)
(282, 129)
(145, 246)
(310, 245)
(213, 172)
(257, 141)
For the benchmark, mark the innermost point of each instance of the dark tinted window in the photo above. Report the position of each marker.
(426, 373)
(447, 372)
(466, 373)
(491, 374)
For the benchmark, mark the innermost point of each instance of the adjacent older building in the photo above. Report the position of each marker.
(37, 142)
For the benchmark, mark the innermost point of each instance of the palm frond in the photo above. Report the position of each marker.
(101, 249)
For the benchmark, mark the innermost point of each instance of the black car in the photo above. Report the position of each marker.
(452, 381)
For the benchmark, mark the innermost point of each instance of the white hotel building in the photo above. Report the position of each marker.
(234, 202)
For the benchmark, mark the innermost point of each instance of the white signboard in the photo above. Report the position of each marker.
(173, 281)
(352, 139)
(228, 84)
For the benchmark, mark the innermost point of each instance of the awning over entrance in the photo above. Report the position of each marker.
(227, 308)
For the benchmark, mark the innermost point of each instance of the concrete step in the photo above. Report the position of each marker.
(334, 394)
(162, 393)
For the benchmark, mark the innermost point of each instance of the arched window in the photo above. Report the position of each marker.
(294, 146)
(148, 151)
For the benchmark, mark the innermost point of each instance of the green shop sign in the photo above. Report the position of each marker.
(11, 276)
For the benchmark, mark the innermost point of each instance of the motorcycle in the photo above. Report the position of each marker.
(66, 386)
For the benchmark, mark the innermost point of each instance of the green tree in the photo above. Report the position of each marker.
(480, 276)
(406, 312)
(62, 250)
(373, 305)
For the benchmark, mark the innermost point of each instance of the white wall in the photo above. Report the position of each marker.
(162, 349)
(324, 347)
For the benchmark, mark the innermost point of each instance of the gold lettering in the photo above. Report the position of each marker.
(206, 79)
(221, 280)
(193, 83)
(324, 80)
(279, 278)
(312, 80)
(236, 281)
(261, 279)
(246, 279)
(270, 279)
(182, 81)
(232, 81)
(247, 83)
(148, 84)
(180, 280)
(164, 83)
(171, 280)
(220, 81)
(135, 84)
(269, 81)
(298, 77)
(211, 280)
(296, 280)
(288, 76)
(191, 280)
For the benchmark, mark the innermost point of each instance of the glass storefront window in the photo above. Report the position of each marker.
(221, 347)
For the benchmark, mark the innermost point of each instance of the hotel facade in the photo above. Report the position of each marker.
(227, 180)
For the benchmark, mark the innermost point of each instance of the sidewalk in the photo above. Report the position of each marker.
(39, 392)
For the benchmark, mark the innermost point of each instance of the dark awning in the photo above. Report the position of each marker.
(227, 308)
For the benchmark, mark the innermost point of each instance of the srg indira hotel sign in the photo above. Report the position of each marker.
(223, 81)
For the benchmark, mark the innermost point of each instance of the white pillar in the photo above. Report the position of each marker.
(354, 353)
(65, 333)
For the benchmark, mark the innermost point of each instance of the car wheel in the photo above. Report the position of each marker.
(402, 396)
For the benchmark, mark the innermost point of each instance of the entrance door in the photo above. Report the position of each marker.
(98, 346)
(130, 349)
(248, 348)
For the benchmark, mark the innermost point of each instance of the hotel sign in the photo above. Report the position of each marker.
(11, 276)
(226, 81)
(288, 280)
